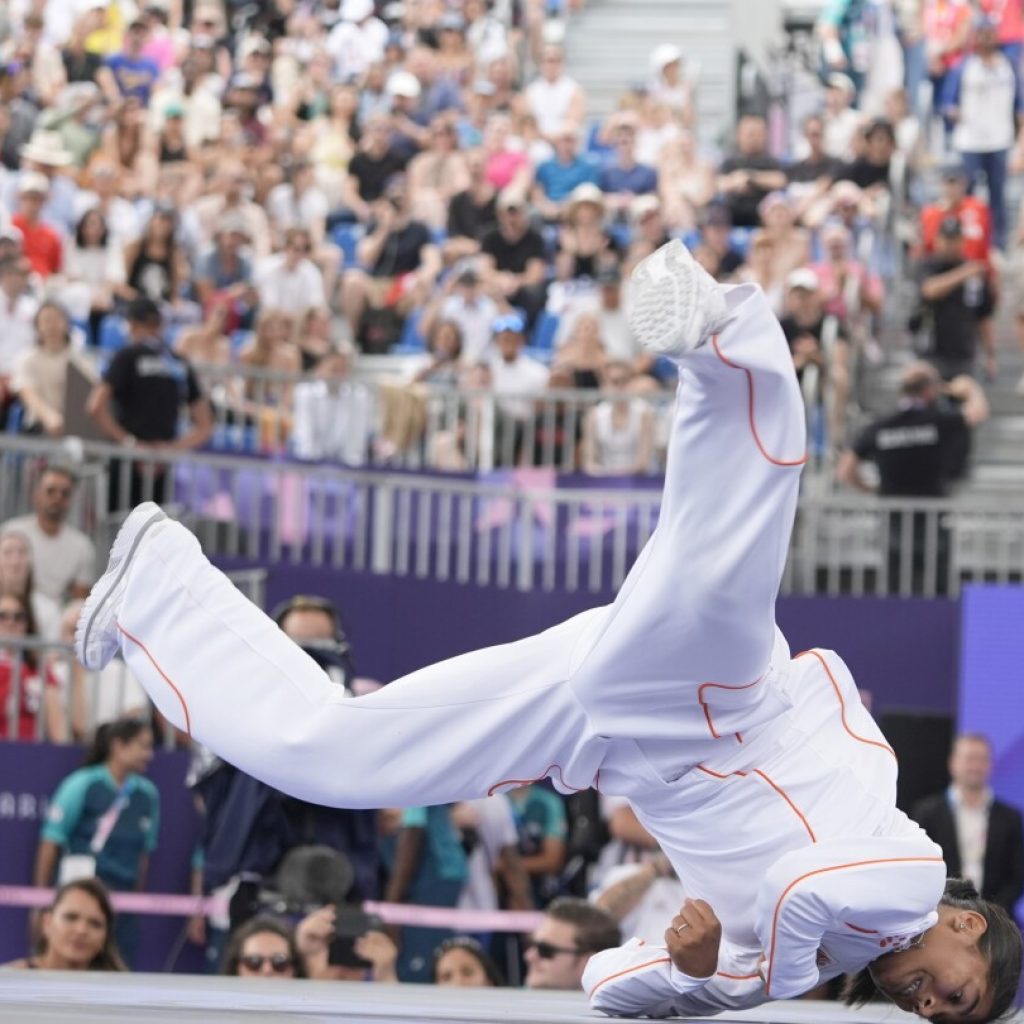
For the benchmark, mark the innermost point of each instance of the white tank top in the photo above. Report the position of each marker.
(617, 447)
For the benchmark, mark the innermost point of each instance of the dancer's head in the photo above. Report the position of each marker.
(965, 968)
(463, 962)
(562, 944)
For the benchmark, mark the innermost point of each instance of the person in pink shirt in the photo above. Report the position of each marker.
(1009, 16)
(847, 285)
(505, 165)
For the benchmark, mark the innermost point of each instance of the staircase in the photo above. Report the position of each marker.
(609, 45)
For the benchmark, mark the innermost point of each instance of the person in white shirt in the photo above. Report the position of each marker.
(17, 315)
(840, 120)
(494, 855)
(290, 280)
(518, 380)
(983, 99)
(467, 305)
(357, 41)
(555, 99)
(618, 433)
(763, 778)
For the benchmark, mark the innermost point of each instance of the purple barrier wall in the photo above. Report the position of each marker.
(905, 651)
(29, 773)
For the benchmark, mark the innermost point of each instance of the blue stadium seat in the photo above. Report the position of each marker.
(346, 237)
(113, 334)
(739, 239)
(15, 417)
(411, 342)
(544, 332)
(239, 339)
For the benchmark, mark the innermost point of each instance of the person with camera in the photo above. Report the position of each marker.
(331, 952)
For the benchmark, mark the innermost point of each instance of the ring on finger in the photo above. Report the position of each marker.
(685, 924)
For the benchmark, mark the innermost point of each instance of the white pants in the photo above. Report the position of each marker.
(676, 658)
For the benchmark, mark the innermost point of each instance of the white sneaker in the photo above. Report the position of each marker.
(675, 304)
(96, 637)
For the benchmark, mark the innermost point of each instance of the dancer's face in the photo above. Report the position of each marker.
(945, 978)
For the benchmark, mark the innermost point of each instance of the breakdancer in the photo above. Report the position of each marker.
(762, 776)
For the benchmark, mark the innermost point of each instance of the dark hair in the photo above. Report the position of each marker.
(124, 730)
(31, 628)
(999, 945)
(258, 926)
(80, 228)
(436, 330)
(476, 951)
(52, 304)
(596, 929)
(109, 957)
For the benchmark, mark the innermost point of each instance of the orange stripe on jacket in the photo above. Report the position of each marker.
(543, 775)
(842, 704)
(750, 412)
(824, 871)
(628, 970)
(163, 675)
(722, 686)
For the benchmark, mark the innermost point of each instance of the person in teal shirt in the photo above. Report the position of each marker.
(543, 828)
(104, 818)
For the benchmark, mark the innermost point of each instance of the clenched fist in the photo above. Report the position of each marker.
(693, 939)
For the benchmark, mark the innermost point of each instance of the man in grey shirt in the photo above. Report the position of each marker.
(63, 558)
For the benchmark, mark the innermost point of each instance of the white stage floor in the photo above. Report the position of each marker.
(61, 998)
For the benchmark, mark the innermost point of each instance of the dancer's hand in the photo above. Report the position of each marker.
(693, 939)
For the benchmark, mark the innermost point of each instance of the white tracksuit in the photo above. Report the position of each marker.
(763, 778)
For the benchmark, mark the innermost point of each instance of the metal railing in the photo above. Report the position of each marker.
(526, 528)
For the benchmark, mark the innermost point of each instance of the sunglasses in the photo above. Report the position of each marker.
(13, 617)
(279, 962)
(546, 951)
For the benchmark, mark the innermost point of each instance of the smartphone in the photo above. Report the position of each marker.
(351, 923)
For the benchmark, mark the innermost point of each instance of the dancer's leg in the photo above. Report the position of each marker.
(216, 665)
(698, 607)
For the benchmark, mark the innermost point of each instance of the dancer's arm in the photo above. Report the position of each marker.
(639, 979)
(879, 884)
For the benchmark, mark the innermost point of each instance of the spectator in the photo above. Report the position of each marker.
(558, 177)
(871, 169)
(543, 829)
(41, 244)
(463, 302)
(641, 897)
(290, 281)
(764, 270)
(956, 303)
(513, 264)
(357, 40)
(437, 174)
(982, 838)
(444, 348)
(816, 169)
(791, 243)
(316, 933)
(983, 99)
(333, 416)
(848, 287)
(18, 306)
(224, 276)
(402, 262)
(104, 819)
(102, 191)
(921, 448)
(714, 249)
(584, 244)
(649, 230)
(840, 119)
(263, 948)
(515, 377)
(428, 867)
(267, 393)
(623, 178)
(29, 693)
(488, 828)
(947, 29)
(130, 73)
(472, 213)
(138, 404)
(152, 263)
(94, 272)
(16, 578)
(618, 433)
(231, 195)
(462, 962)
(63, 558)
(686, 182)
(376, 163)
(745, 178)
(507, 166)
(76, 932)
(554, 98)
(668, 84)
(561, 946)
(973, 214)
(41, 375)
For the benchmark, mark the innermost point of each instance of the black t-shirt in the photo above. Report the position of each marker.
(372, 174)
(804, 171)
(918, 450)
(468, 219)
(954, 318)
(865, 174)
(150, 384)
(743, 205)
(513, 256)
(402, 250)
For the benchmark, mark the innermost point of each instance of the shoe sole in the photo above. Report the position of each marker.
(101, 592)
(658, 311)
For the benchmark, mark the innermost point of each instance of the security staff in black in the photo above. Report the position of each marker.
(138, 404)
(919, 450)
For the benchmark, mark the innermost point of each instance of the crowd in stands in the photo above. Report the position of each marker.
(221, 216)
